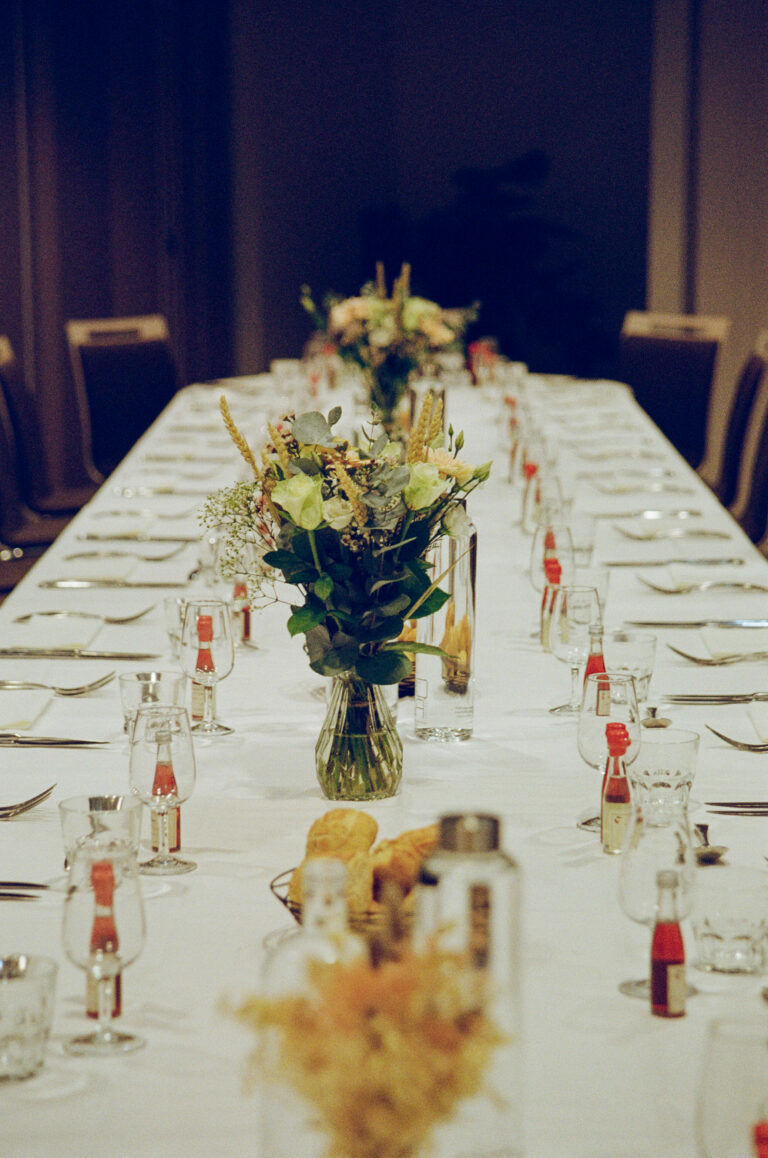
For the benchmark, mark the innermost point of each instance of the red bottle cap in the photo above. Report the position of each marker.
(760, 1137)
(529, 469)
(553, 571)
(549, 539)
(618, 738)
(103, 881)
(205, 628)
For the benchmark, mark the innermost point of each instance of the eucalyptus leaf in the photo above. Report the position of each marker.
(334, 415)
(311, 428)
(308, 466)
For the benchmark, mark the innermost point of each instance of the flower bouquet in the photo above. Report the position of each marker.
(351, 527)
(387, 338)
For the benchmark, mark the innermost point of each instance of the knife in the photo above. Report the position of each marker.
(134, 537)
(18, 740)
(652, 513)
(10, 896)
(697, 622)
(71, 653)
(718, 804)
(724, 562)
(22, 885)
(738, 811)
(82, 584)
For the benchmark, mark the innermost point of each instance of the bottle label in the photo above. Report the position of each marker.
(92, 996)
(614, 821)
(174, 830)
(677, 989)
(603, 706)
(198, 695)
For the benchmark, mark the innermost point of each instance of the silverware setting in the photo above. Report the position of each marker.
(81, 690)
(86, 584)
(71, 653)
(672, 533)
(705, 585)
(607, 455)
(720, 660)
(138, 492)
(654, 472)
(145, 514)
(7, 811)
(724, 561)
(649, 513)
(211, 458)
(742, 745)
(127, 555)
(25, 740)
(717, 698)
(136, 537)
(697, 622)
(655, 488)
(116, 619)
(705, 852)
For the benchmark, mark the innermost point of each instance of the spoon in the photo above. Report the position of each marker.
(707, 853)
(651, 720)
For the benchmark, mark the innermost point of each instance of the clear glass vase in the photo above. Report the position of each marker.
(359, 753)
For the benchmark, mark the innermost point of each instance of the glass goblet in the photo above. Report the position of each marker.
(207, 655)
(733, 1088)
(607, 697)
(162, 773)
(575, 612)
(103, 931)
(551, 541)
(658, 838)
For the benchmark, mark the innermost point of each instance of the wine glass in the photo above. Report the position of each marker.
(162, 773)
(733, 1088)
(607, 697)
(207, 655)
(658, 838)
(551, 541)
(103, 931)
(575, 612)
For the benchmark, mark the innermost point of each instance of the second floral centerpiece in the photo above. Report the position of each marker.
(352, 527)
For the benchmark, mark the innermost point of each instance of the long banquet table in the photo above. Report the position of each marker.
(603, 1078)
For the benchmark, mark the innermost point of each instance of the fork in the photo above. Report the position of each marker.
(81, 690)
(118, 619)
(9, 810)
(128, 555)
(742, 745)
(705, 585)
(720, 660)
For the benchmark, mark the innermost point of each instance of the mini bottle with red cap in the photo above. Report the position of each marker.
(203, 664)
(669, 988)
(760, 1138)
(164, 784)
(553, 573)
(104, 941)
(242, 608)
(595, 661)
(616, 800)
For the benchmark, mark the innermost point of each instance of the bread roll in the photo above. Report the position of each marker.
(341, 833)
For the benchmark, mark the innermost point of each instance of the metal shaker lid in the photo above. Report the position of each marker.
(469, 832)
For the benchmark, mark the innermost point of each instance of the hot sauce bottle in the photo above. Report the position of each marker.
(104, 941)
(668, 984)
(615, 801)
(164, 784)
(203, 664)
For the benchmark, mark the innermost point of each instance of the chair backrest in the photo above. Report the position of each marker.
(124, 375)
(22, 409)
(753, 374)
(669, 361)
(13, 510)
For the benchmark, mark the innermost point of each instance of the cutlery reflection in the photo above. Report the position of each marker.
(83, 584)
(672, 533)
(705, 585)
(23, 740)
(742, 745)
(720, 660)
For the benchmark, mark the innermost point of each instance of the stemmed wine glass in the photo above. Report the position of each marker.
(575, 613)
(733, 1088)
(162, 773)
(607, 697)
(658, 838)
(103, 931)
(207, 655)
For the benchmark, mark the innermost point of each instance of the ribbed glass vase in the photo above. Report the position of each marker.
(359, 753)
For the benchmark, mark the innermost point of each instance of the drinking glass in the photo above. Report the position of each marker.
(27, 992)
(633, 652)
(658, 838)
(149, 687)
(583, 537)
(607, 697)
(207, 661)
(575, 611)
(665, 766)
(173, 606)
(733, 1087)
(162, 773)
(542, 501)
(120, 929)
(551, 540)
(84, 818)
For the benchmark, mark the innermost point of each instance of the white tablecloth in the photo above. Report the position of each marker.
(604, 1079)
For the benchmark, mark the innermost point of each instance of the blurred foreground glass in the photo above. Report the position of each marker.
(27, 994)
(575, 612)
(733, 1088)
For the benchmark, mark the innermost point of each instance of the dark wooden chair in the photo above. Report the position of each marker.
(751, 378)
(20, 526)
(124, 375)
(751, 512)
(32, 479)
(669, 361)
